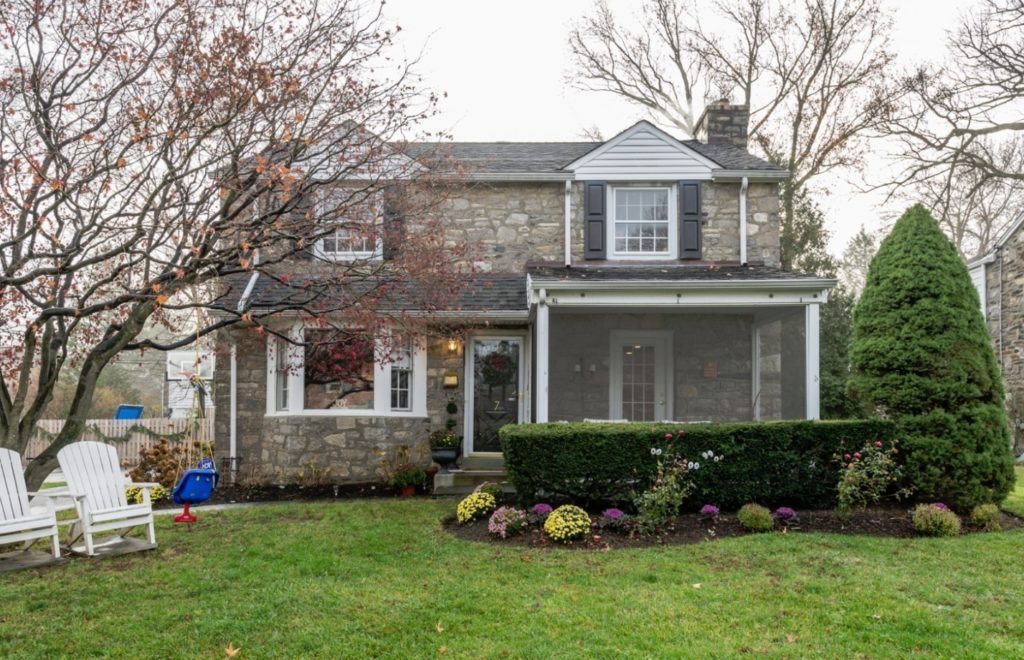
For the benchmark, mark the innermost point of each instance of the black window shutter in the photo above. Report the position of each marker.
(690, 220)
(595, 214)
(393, 231)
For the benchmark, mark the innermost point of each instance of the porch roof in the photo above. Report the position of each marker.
(480, 295)
(546, 273)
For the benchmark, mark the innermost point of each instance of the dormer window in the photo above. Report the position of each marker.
(356, 226)
(643, 222)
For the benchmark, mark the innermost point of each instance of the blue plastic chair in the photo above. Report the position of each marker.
(195, 486)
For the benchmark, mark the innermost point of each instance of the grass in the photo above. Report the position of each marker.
(1015, 502)
(380, 578)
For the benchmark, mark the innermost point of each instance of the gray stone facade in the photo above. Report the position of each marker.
(509, 225)
(1004, 314)
(279, 449)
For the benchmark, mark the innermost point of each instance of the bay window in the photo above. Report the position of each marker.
(345, 372)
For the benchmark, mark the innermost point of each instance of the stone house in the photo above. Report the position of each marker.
(634, 279)
(998, 276)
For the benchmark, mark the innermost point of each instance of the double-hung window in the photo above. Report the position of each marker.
(643, 222)
(345, 372)
(354, 225)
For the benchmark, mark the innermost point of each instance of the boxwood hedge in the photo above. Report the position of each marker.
(788, 463)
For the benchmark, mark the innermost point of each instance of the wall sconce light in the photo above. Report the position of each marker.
(453, 346)
(450, 380)
(593, 368)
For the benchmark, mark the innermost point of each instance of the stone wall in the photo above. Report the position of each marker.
(721, 204)
(1004, 313)
(508, 224)
(277, 449)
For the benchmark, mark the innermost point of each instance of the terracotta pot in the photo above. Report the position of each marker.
(408, 491)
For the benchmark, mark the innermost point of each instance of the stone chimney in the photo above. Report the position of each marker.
(724, 122)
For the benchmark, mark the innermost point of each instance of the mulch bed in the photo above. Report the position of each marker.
(892, 522)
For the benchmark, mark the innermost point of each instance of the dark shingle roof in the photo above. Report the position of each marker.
(536, 157)
(662, 272)
(479, 293)
(505, 156)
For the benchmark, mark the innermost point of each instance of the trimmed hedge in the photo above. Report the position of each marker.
(775, 463)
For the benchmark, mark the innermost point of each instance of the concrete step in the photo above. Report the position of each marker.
(464, 481)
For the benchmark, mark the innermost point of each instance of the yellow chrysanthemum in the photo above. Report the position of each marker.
(475, 505)
(567, 523)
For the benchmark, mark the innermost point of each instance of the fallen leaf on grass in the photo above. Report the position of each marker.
(790, 638)
(442, 650)
(230, 650)
(439, 628)
(696, 585)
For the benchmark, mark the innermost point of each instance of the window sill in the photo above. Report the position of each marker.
(350, 413)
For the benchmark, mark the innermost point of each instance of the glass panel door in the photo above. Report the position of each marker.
(495, 390)
(641, 387)
(638, 383)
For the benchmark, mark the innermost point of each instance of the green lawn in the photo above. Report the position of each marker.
(1015, 502)
(381, 578)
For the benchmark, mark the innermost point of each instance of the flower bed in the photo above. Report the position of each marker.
(887, 521)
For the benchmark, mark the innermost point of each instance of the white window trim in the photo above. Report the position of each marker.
(377, 206)
(381, 376)
(673, 223)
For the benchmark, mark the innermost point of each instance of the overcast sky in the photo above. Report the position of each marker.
(504, 66)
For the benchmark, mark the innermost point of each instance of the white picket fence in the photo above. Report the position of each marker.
(127, 451)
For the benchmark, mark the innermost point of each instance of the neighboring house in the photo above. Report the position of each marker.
(998, 275)
(636, 278)
(182, 391)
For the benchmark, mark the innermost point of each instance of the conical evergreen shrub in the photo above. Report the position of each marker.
(921, 356)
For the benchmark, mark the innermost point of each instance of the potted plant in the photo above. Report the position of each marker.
(444, 448)
(407, 479)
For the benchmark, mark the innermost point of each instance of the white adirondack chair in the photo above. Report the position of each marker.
(98, 485)
(17, 521)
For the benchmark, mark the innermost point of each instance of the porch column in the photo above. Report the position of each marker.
(812, 345)
(543, 330)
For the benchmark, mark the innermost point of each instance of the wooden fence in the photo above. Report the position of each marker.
(129, 436)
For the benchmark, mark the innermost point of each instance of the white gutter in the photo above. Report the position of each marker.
(753, 175)
(810, 284)
(233, 432)
(743, 220)
(568, 223)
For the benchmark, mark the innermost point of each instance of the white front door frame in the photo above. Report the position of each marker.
(664, 391)
(523, 337)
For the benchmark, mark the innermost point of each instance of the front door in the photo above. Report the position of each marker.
(494, 389)
(641, 390)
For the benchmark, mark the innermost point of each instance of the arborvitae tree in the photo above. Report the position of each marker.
(921, 355)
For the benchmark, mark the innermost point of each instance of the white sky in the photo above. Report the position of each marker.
(504, 66)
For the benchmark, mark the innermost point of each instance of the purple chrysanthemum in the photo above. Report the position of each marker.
(785, 513)
(940, 505)
(613, 514)
(709, 511)
(541, 509)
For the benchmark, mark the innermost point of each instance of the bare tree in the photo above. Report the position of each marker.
(959, 114)
(652, 67)
(154, 155)
(975, 210)
(857, 256)
(814, 76)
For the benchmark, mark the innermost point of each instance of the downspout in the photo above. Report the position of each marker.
(568, 224)
(743, 220)
(233, 432)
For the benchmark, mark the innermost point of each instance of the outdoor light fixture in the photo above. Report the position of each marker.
(450, 380)
(453, 345)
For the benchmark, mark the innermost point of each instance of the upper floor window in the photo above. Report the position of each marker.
(643, 222)
(356, 226)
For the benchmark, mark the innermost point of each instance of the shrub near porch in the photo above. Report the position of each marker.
(791, 463)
